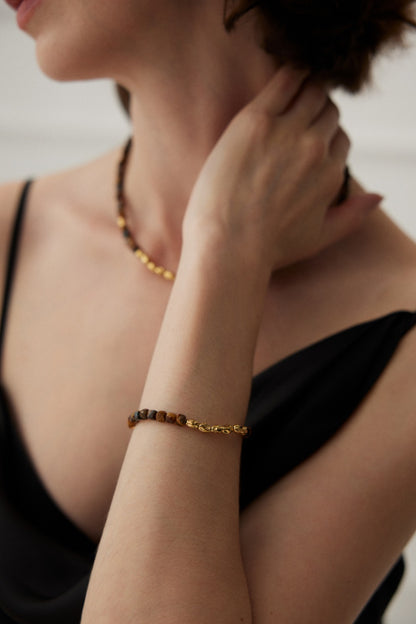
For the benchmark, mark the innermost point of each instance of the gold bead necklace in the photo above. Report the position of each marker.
(122, 222)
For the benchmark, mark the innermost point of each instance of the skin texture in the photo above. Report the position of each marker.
(140, 341)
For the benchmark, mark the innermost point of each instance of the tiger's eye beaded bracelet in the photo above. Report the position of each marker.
(181, 420)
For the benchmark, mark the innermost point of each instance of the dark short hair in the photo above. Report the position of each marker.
(336, 40)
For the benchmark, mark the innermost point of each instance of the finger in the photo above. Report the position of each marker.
(343, 219)
(327, 121)
(280, 91)
(308, 105)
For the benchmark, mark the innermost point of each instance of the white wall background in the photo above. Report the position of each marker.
(45, 126)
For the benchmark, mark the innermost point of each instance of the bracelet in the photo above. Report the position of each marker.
(181, 420)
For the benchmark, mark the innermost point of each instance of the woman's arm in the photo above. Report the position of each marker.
(170, 550)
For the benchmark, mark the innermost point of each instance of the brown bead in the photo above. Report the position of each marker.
(171, 417)
(132, 421)
(181, 419)
(143, 414)
(161, 416)
(152, 415)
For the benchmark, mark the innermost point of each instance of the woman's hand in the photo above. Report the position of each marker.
(269, 181)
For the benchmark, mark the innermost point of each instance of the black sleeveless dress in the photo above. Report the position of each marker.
(296, 405)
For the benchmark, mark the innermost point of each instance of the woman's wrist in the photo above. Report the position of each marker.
(221, 254)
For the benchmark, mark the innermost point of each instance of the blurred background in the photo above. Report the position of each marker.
(45, 126)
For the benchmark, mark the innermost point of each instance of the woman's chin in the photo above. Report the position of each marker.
(62, 64)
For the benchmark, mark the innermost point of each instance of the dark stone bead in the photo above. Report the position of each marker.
(171, 417)
(161, 416)
(133, 420)
(143, 414)
(152, 415)
(126, 233)
(181, 419)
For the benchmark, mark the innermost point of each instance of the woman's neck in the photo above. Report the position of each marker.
(180, 105)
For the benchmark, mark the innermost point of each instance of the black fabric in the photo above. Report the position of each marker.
(295, 407)
(11, 263)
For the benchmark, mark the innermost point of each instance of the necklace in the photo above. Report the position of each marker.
(122, 222)
(125, 230)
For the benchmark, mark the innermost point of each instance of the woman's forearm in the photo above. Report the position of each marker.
(170, 550)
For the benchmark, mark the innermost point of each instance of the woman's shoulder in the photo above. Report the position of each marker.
(73, 194)
(365, 276)
(79, 188)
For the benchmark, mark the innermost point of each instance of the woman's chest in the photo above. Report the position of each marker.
(77, 349)
(79, 343)
(75, 363)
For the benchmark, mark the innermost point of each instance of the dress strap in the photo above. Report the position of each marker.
(12, 257)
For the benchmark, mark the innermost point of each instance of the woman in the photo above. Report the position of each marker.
(235, 183)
